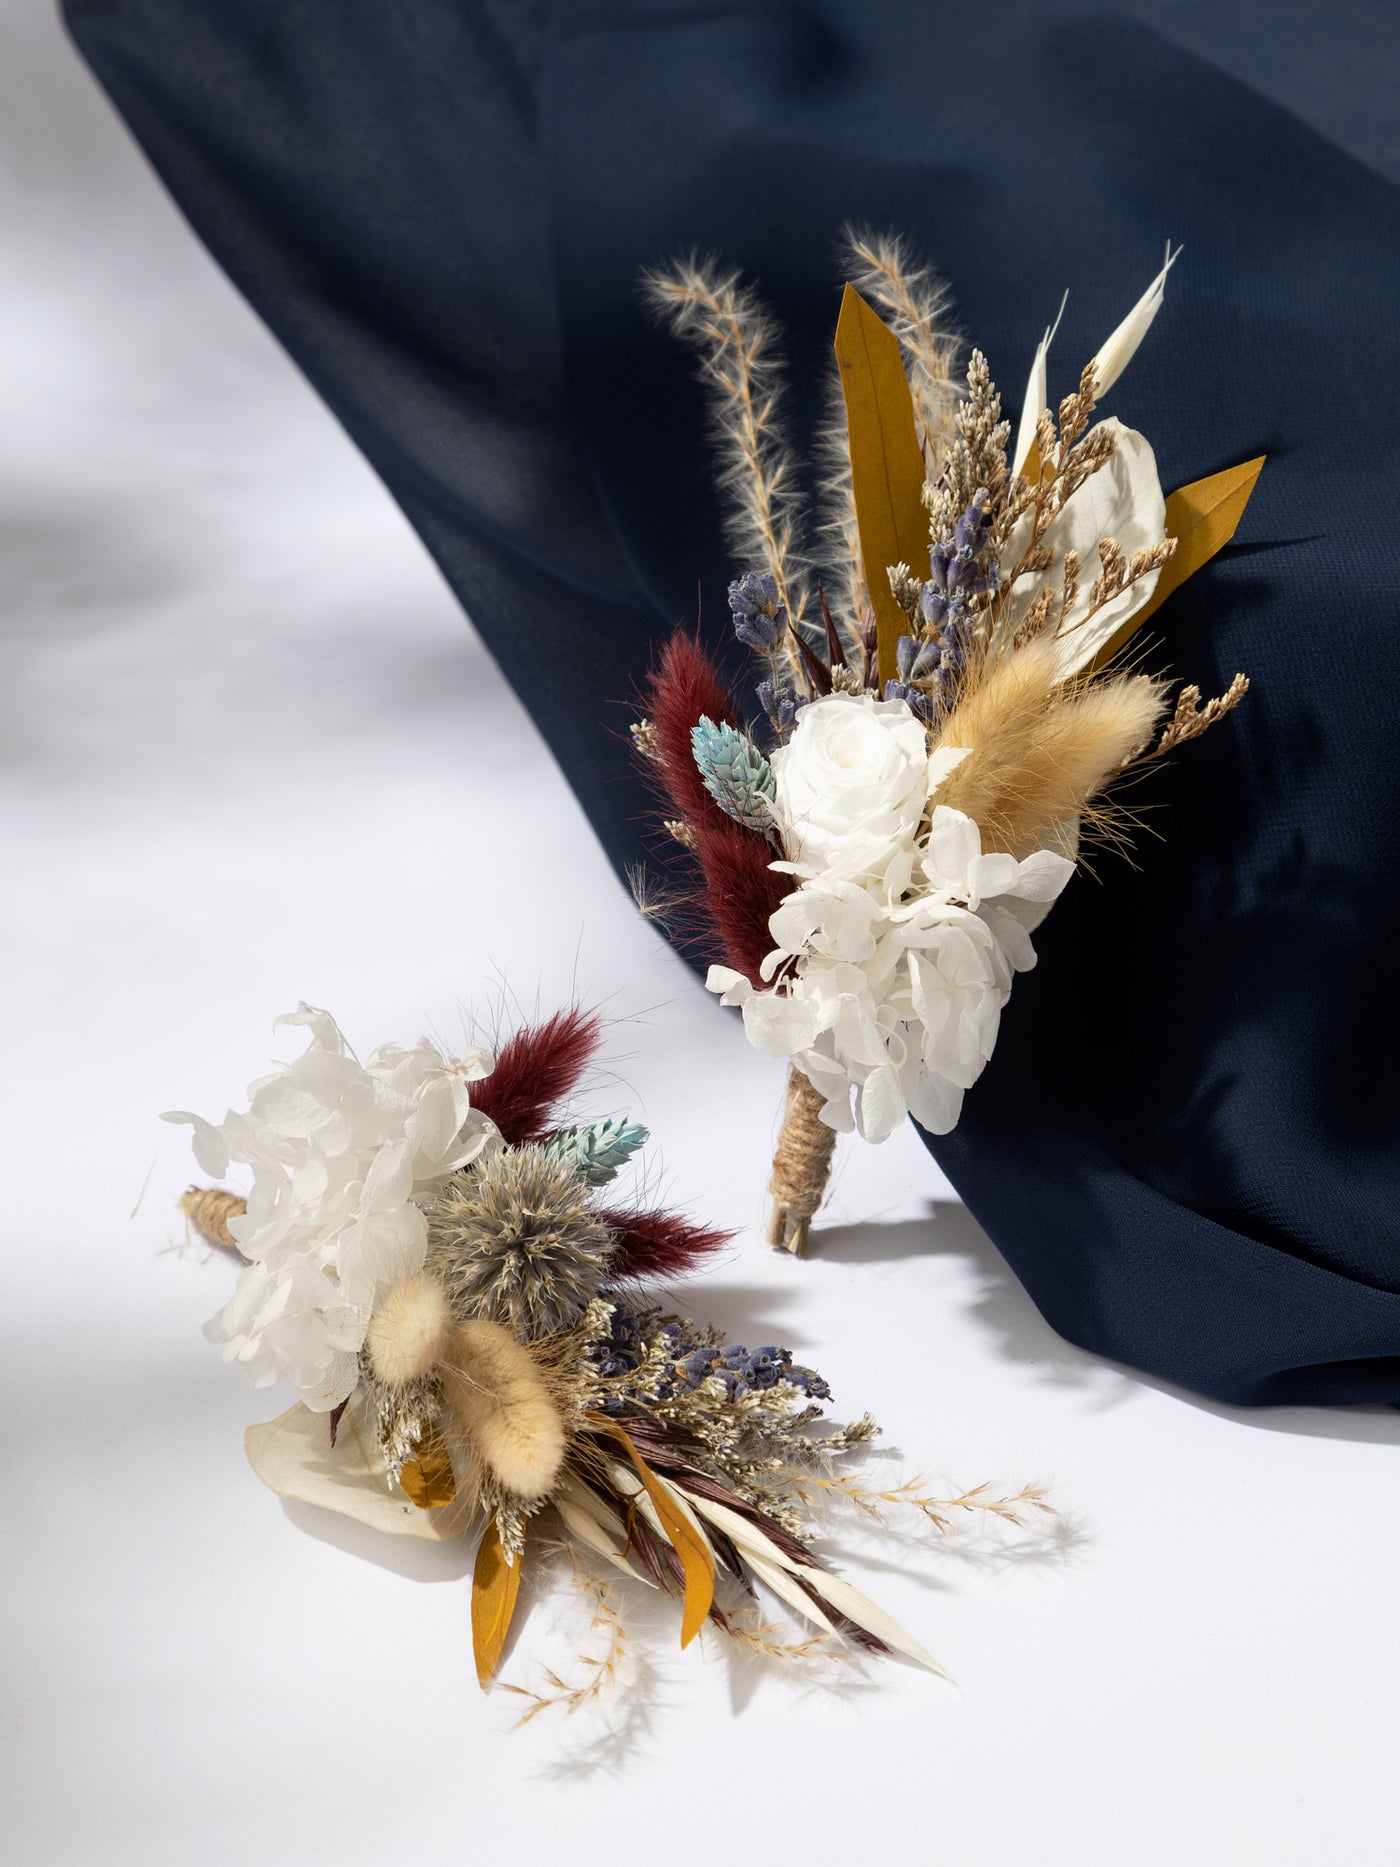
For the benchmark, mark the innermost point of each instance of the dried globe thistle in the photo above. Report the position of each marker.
(515, 1241)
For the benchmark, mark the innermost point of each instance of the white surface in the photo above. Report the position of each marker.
(251, 753)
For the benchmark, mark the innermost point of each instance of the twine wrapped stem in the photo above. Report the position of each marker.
(801, 1166)
(209, 1209)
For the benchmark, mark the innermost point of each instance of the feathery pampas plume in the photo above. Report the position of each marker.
(735, 341)
(516, 1240)
(917, 302)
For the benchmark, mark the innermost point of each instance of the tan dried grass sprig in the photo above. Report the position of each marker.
(1190, 719)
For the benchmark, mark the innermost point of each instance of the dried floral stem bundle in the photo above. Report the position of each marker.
(866, 859)
(435, 1259)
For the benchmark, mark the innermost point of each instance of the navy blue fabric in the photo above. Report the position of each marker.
(1188, 1143)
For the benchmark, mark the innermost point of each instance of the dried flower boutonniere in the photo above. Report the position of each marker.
(448, 1277)
(943, 715)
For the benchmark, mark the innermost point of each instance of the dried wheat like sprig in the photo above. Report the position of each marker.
(1190, 718)
(736, 341)
(599, 1671)
(940, 1511)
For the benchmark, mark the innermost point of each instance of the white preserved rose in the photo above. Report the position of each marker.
(850, 785)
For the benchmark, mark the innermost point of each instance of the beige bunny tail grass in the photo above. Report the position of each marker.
(1038, 754)
(409, 1330)
(502, 1402)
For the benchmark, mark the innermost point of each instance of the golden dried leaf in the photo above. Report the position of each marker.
(427, 1481)
(887, 464)
(690, 1544)
(495, 1585)
(1202, 517)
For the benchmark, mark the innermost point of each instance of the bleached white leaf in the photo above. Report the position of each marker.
(1034, 401)
(746, 1537)
(588, 1519)
(1117, 351)
(293, 1456)
(865, 1613)
(786, 1589)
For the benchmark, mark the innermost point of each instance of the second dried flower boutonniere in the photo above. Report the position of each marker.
(466, 1304)
(943, 714)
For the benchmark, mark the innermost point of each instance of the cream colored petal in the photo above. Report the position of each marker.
(293, 1456)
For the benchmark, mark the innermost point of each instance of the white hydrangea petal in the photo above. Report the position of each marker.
(1043, 876)
(733, 988)
(780, 1024)
(937, 1103)
(954, 842)
(207, 1142)
(389, 1180)
(882, 1107)
(325, 1032)
(987, 876)
(378, 1251)
(1011, 936)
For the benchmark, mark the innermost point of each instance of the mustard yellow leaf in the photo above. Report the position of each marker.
(427, 1481)
(689, 1542)
(1202, 517)
(887, 465)
(495, 1585)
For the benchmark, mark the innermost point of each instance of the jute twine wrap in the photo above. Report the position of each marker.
(801, 1166)
(209, 1209)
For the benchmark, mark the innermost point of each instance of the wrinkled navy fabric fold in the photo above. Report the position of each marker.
(1188, 1142)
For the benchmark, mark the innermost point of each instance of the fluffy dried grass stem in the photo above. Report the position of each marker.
(735, 340)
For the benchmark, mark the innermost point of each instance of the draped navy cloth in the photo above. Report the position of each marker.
(1188, 1143)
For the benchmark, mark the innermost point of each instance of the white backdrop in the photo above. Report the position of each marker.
(252, 753)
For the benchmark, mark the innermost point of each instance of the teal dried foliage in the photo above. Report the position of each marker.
(735, 773)
(597, 1150)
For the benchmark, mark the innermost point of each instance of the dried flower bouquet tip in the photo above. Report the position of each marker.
(867, 857)
(439, 1263)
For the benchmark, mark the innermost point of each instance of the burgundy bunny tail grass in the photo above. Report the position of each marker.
(535, 1069)
(684, 687)
(725, 915)
(741, 892)
(659, 1244)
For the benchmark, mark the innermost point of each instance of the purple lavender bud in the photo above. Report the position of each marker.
(917, 701)
(759, 616)
(970, 532)
(915, 660)
(780, 704)
(933, 605)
